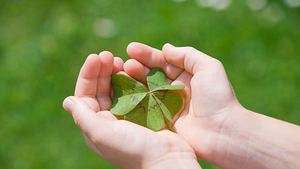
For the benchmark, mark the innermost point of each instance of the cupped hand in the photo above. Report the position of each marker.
(123, 143)
(210, 100)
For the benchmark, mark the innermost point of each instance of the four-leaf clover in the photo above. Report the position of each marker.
(151, 106)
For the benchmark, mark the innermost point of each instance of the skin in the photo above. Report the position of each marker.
(120, 142)
(214, 123)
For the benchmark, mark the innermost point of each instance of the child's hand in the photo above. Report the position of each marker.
(213, 122)
(123, 143)
(209, 97)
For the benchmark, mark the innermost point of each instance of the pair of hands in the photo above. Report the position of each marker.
(204, 130)
(209, 99)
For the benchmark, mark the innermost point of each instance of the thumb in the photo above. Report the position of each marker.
(85, 118)
(187, 58)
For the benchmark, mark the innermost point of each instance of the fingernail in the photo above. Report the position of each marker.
(68, 103)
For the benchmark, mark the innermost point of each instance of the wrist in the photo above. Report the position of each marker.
(231, 140)
(249, 140)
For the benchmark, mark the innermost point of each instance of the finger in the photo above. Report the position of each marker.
(136, 70)
(118, 65)
(104, 86)
(87, 80)
(84, 117)
(152, 57)
(187, 58)
(183, 79)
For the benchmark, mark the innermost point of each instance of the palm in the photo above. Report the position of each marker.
(130, 140)
(210, 92)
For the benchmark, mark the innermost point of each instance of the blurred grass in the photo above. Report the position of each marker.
(44, 43)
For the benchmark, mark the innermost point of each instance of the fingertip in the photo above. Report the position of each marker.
(105, 53)
(136, 70)
(106, 57)
(84, 117)
(132, 45)
(173, 55)
(135, 65)
(129, 65)
(92, 61)
(166, 49)
(167, 45)
(118, 64)
(91, 64)
(130, 48)
(107, 61)
(68, 104)
(135, 49)
(92, 56)
(119, 60)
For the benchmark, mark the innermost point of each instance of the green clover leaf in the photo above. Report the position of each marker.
(153, 106)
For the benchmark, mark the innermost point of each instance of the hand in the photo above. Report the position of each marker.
(209, 97)
(123, 143)
(213, 122)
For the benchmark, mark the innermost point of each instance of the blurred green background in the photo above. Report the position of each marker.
(44, 43)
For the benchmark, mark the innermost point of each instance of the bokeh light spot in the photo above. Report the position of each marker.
(105, 28)
(214, 4)
(292, 3)
(256, 5)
